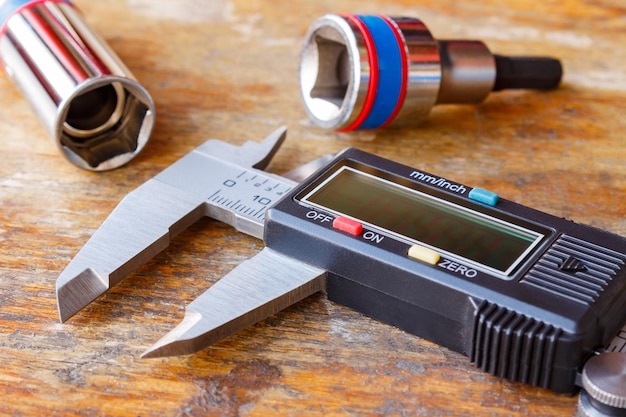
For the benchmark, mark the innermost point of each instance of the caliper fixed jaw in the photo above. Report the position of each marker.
(144, 221)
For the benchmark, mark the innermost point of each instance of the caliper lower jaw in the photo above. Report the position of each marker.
(256, 289)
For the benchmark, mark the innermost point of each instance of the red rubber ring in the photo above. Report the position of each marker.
(373, 63)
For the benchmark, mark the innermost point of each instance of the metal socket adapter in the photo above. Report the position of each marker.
(371, 71)
(91, 105)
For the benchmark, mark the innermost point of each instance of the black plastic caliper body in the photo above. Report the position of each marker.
(526, 295)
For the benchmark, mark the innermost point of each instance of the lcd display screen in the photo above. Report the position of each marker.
(444, 226)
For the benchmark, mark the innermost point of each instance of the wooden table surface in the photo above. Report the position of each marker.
(228, 70)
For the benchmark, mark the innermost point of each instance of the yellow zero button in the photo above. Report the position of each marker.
(424, 254)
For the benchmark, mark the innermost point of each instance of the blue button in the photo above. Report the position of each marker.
(483, 196)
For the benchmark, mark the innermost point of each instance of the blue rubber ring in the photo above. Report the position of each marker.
(389, 89)
(11, 6)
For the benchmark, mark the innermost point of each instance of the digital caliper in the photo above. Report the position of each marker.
(527, 296)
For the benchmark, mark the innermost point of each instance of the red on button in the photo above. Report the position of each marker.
(348, 225)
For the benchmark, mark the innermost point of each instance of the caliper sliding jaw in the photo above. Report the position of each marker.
(199, 184)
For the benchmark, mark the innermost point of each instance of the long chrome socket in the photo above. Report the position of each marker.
(367, 72)
(91, 105)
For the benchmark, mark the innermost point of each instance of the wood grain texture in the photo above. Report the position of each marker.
(228, 70)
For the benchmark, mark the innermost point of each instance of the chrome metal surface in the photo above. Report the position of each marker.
(89, 102)
(424, 71)
(334, 72)
(340, 90)
(253, 291)
(468, 72)
(604, 384)
(217, 180)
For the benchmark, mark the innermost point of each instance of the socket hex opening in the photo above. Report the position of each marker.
(333, 76)
(105, 123)
(95, 111)
(329, 72)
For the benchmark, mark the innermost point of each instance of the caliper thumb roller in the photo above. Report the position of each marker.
(371, 71)
(90, 104)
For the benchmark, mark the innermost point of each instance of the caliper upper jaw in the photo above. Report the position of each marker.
(138, 228)
(144, 221)
(251, 154)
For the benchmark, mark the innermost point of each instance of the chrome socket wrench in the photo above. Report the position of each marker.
(90, 104)
(371, 71)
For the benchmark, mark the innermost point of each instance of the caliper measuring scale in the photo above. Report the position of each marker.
(525, 295)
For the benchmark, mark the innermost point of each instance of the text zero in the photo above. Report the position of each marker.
(458, 268)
